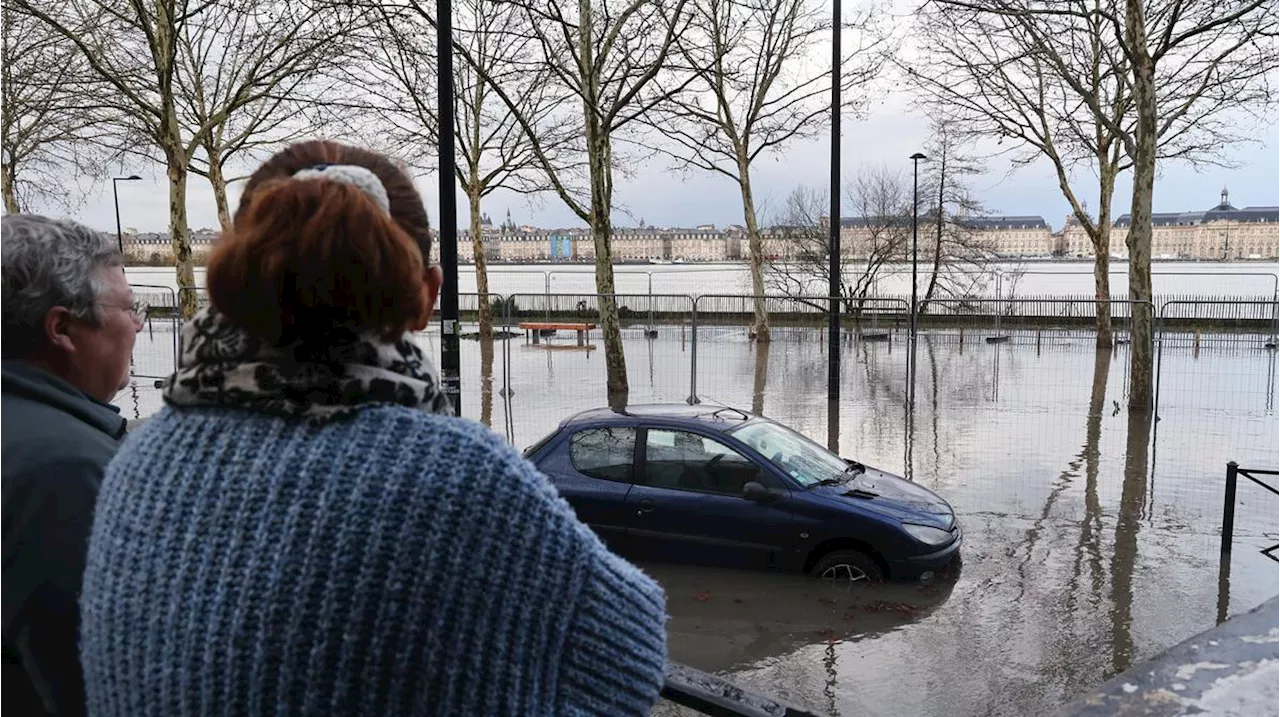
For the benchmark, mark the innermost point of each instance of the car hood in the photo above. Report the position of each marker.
(894, 497)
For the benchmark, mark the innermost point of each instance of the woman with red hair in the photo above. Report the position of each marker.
(305, 529)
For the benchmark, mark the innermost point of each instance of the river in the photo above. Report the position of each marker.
(1252, 279)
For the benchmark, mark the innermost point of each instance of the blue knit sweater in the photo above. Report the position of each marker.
(394, 563)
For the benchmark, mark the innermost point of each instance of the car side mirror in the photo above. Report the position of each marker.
(754, 491)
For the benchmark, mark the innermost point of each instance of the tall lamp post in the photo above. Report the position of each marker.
(833, 221)
(915, 262)
(915, 232)
(115, 192)
(450, 349)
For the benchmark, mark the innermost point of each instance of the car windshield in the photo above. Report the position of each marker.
(805, 461)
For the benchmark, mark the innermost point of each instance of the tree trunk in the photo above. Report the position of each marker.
(1101, 239)
(1139, 238)
(761, 378)
(482, 266)
(218, 181)
(600, 171)
(8, 190)
(486, 379)
(610, 327)
(1102, 287)
(179, 234)
(756, 244)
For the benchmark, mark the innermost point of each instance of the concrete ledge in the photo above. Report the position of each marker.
(1228, 671)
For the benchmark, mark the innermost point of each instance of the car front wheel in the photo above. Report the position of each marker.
(848, 566)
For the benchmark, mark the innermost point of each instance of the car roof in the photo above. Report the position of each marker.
(708, 415)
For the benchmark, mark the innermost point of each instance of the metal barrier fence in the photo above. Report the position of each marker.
(155, 352)
(681, 348)
(547, 377)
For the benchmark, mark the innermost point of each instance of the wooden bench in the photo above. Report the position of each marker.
(537, 327)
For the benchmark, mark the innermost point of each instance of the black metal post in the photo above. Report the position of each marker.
(833, 220)
(915, 261)
(115, 194)
(915, 232)
(1229, 506)
(450, 351)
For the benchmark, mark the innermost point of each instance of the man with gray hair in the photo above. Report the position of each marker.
(69, 327)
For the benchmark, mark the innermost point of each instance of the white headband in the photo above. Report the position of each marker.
(354, 175)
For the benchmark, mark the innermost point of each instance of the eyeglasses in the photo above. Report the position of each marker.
(138, 308)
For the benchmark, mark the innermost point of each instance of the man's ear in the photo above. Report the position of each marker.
(432, 281)
(57, 325)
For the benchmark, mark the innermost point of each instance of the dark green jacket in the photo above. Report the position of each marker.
(56, 444)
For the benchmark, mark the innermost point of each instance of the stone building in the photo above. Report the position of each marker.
(1222, 233)
(1014, 236)
(1006, 236)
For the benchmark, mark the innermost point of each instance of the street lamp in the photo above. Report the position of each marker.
(115, 192)
(833, 222)
(915, 231)
(915, 261)
(450, 347)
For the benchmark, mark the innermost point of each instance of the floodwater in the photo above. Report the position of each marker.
(1091, 535)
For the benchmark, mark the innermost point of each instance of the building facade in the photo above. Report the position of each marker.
(1014, 236)
(1221, 233)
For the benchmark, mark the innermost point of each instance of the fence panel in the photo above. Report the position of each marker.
(1216, 390)
(553, 373)
(155, 353)
(786, 378)
(1030, 400)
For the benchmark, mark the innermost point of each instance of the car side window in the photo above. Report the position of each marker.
(607, 453)
(688, 461)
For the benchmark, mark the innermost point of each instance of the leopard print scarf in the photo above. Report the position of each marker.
(223, 365)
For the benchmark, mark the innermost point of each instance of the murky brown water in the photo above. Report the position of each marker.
(1091, 535)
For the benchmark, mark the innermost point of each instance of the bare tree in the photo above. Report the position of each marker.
(984, 78)
(138, 49)
(1178, 75)
(756, 89)
(612, 58)
(56, 125)
(271, 50)
(494, 152)
(798, 248)
(961, 252)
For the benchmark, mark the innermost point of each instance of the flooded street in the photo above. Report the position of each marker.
(1091, 535)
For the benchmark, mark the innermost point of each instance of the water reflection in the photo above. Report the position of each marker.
(722, 620)
(1091, 525)
(1132, 499)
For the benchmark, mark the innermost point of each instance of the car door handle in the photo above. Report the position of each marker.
(645, 506)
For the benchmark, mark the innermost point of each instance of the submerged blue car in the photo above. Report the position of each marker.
(714, 486)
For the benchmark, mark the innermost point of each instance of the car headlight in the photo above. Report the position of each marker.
(927, 534)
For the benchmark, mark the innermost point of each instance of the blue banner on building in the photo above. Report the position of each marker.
(561, 247)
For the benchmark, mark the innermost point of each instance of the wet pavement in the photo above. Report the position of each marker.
(1091, 535)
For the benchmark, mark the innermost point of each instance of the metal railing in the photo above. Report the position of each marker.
(1234, 471)
(711, 695)
(1242, 325)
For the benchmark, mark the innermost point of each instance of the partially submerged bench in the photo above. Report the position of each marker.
(536, 328)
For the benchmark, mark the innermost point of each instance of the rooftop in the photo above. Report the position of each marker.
(1223, 211)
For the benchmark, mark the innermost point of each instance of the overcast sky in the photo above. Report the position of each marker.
(889, 134)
